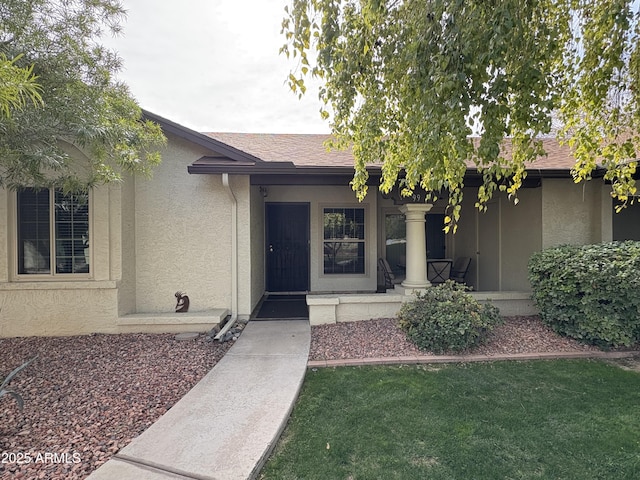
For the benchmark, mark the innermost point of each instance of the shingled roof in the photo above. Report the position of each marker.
(262, 153)
(311, 150)
(293, 155)
(300, 149)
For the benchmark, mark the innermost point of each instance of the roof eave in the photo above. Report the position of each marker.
(211, 166)
(200, 139)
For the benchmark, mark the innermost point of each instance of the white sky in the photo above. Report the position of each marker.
(213, 65)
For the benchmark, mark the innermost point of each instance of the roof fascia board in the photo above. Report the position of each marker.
(270, 168)
(308, 180)
(264, 169)
(200, 139)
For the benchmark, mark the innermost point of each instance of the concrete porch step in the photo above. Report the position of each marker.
(171, 321)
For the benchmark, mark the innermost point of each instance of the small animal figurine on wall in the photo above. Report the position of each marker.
(183, 302)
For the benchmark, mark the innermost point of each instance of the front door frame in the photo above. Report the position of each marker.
(303, 281)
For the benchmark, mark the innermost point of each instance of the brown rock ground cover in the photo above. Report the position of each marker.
(86, 397)
(383, 338)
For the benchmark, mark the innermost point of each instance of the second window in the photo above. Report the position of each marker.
(344, 240)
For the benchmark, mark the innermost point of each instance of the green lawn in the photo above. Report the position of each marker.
(547, 419)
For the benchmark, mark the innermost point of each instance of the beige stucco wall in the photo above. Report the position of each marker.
(125, 236)
(63, 305)
(6, 232)
(318, 198)
(521, 236)
(606, 217)
(183, 234)
(104, 204)
(257, 245)
(573, 213)
(57, 308)
(149, 238)
(175, 231)
(242, 191)
(507, 235)
(559, 212)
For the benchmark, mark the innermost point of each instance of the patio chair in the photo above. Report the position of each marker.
(390, 280)
(438, 271)
(460, 269)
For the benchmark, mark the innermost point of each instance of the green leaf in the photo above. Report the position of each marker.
(407, 83)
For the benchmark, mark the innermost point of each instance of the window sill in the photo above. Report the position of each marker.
(58, 285)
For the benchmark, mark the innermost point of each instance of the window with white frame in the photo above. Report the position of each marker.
(344, 240)
(53, 232)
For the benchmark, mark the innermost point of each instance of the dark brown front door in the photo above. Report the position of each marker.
(287, 249)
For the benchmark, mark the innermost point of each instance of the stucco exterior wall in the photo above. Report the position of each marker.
(242, 193)
(152, 237)
(257, 246)
(571, 214)
(606, 207)
(6, 232)
(182, 234)
(104, 203)
(559, 212)
(126, 238)
(505, 236)
(62, 305)
(318, 198)
(148, 239)
(521, 236)
(58, 308)
(465, 240)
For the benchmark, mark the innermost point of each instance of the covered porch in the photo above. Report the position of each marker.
(412, 254)
(317, 240)
(302, 231)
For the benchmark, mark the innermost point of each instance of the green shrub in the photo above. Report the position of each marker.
(590, 293)
(446, 318)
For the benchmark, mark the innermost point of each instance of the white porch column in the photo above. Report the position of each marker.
(416, 245)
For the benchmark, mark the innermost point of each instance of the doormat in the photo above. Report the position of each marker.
(283, 307)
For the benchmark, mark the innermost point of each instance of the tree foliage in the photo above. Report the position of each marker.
(411, 82)
(18, 87)
(66, 121)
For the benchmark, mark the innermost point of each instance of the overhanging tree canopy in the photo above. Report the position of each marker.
(18, 87)
(79, 102)
(410, 82)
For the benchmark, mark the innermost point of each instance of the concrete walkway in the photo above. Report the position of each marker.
(225, 427)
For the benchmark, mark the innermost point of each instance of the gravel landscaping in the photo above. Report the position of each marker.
(383, 338)
(86, 397)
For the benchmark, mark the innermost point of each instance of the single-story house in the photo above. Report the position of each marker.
(227, 218)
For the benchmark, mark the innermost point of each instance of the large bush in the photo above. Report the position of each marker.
(446, 318)
(590, 293)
